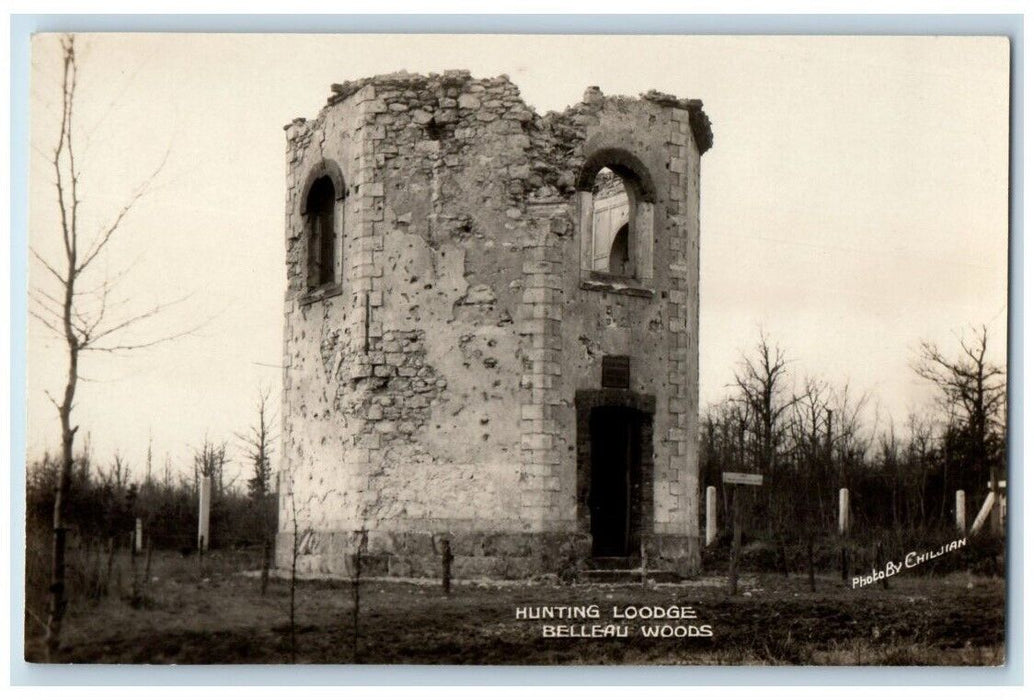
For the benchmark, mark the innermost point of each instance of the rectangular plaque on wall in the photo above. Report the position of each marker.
(616, 372)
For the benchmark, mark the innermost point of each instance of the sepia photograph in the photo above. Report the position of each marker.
(517, 349)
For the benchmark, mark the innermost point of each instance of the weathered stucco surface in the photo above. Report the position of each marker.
(432, 391)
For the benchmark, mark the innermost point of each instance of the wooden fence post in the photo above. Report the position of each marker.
(735, 560)
(147, 562)
(811, 560)
(134, 581)
(360, 549)
(446, 566)
(885, 581)
(264, 576)
(642, 562)
(735, 480)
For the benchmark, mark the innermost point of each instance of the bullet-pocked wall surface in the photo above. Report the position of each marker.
(443, 373)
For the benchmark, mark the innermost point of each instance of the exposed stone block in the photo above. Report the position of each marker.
(469, 102)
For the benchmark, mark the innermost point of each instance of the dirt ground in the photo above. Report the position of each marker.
(190, 616)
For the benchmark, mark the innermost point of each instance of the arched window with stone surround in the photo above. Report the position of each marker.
(616, 198)
(323, 189)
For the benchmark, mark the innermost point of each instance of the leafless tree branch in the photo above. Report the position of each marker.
(48, 266)
(105, 236)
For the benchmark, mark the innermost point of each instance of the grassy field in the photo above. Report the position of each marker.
(217, 615)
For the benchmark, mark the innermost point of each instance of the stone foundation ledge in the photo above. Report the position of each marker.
(476, 555)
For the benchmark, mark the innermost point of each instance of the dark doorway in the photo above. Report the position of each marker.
(615, 480)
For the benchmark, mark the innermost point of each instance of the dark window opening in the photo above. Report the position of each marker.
(322, 237)
(434, 130)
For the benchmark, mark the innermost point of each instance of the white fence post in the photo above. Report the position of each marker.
(711, 526)
(985, 510)
(204, 506)
(844, 523)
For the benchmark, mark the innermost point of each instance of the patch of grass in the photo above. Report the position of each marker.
(216, 615)
(865, 653)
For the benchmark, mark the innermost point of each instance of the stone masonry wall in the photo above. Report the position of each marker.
(430, 392)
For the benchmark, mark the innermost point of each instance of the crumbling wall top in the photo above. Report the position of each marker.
(455, 82)
(406, 80)
(699, 122)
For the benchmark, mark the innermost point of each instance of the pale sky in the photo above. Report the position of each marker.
(854, 202)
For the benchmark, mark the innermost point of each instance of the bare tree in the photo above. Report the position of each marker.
(117, 476)
(972, 394)
(259, 447)
(762, 390)
(85, 318)
(296, 544)
(919, 454)
(848, 438)
(296, 518)
(763, 393)
(210, 461)
(810, 444)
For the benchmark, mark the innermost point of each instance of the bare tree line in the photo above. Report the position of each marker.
(105, 498)
(810, 438)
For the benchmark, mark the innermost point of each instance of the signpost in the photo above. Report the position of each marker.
(741, 478)
(737, 479)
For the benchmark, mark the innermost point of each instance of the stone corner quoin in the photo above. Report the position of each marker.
(482, 342)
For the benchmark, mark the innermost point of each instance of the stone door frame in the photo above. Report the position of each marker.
(642, 497)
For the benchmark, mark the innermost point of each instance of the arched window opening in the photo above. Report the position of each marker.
(613, 215)
(322, 238)
(616, 199)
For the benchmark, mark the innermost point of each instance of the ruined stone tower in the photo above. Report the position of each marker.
(490, 330)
